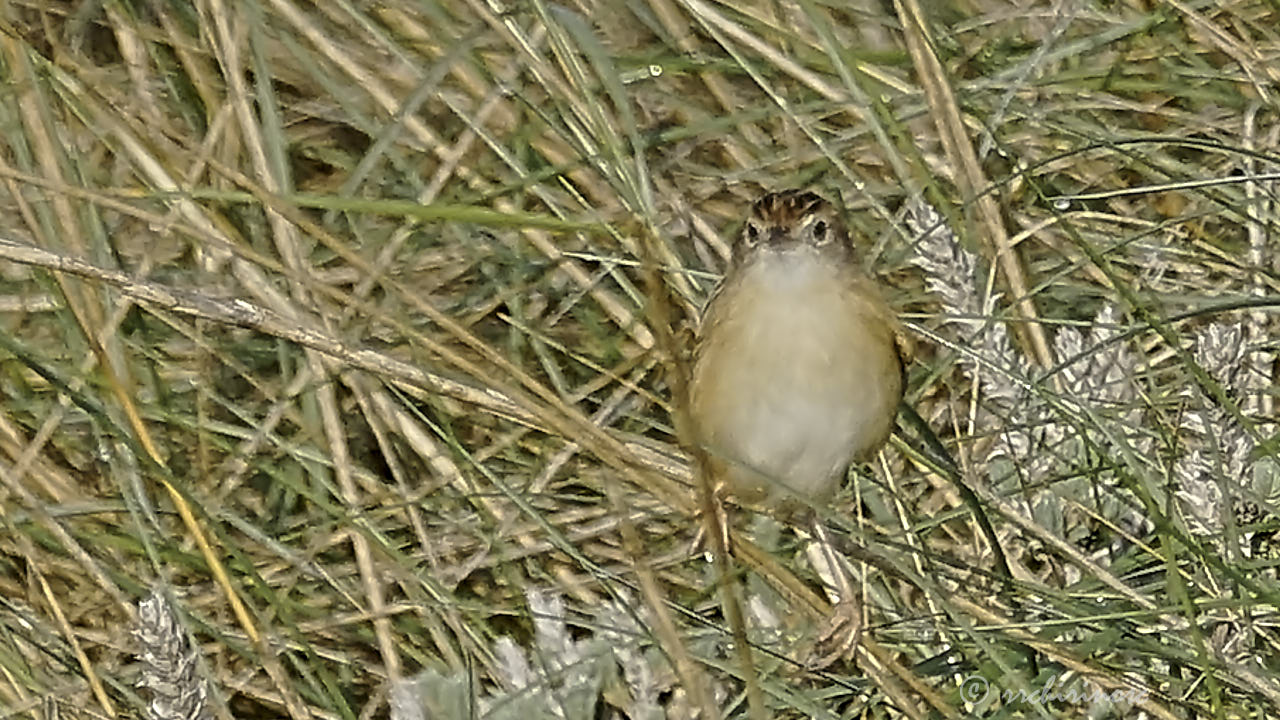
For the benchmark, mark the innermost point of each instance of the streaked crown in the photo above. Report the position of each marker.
(790, 220)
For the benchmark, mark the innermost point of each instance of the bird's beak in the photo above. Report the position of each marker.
(781, 239)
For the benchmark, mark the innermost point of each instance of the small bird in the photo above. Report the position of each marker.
(796, 370)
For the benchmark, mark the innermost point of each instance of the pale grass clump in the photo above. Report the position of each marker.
(559, 678)
(951, 273)
(1224, 486)
(1217, 476)
(170, 665)
(1048, 427)
(1043, 424)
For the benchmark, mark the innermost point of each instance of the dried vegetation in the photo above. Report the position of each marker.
(346, 332)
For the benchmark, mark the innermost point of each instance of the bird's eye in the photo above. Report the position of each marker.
(753, 233)
(820, 231)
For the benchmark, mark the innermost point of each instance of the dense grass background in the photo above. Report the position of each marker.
(349, 331)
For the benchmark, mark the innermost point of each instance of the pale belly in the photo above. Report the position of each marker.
(797, 382)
